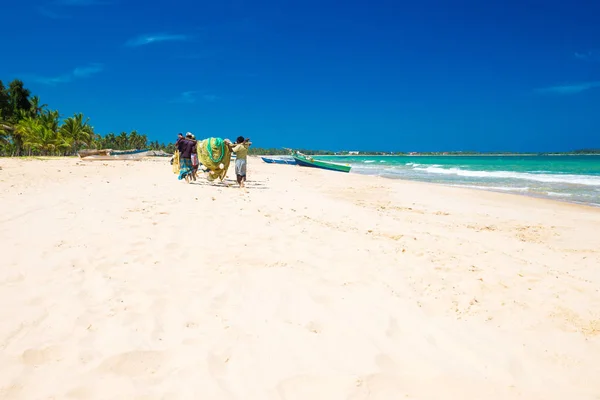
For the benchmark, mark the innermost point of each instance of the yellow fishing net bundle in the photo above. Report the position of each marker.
(176, 162)
(215, 155)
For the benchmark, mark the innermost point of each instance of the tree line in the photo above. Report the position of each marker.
(28, 127)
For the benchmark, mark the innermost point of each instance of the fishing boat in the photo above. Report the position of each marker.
(107, 154)
(128, 152)
(270, 160)
(308, 161)
(93, 152)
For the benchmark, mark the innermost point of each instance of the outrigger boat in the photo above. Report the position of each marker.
(307, 161)
(270, 160)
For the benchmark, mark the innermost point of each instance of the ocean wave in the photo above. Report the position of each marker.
(555, 194)
(410, 164)
(368, 161)
(500, 188)
(588, 180)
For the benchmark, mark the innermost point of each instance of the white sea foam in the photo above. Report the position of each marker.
(500, 188)
(555, 194)
(588, 180)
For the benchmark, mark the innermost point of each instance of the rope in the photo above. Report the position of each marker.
(219, 142)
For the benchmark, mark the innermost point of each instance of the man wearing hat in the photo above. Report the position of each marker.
(186, 147)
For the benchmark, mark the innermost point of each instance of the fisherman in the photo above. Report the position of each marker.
(185, 147)
(179, 138)
(195, 162)
(240, 148)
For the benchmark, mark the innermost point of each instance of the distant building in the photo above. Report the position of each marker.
(353, 152)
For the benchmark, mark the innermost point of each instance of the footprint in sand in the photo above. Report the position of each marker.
(41, 356)
(218, 301)
(13, 277)
(393, 331)
(379, 387)
(14, 391)
(217, 363)
(313, 327)
(385, 363)
(302, 387)
(134, 363)
(80, 392)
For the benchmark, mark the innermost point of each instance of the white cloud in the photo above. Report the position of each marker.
(154, 38)
(77, 73)
(570, 89)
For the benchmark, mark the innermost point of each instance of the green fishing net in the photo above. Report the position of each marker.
(215, 155)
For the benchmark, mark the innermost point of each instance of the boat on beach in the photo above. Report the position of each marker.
(270, 160)
(308, 161)
(108, 154)
(93, 152)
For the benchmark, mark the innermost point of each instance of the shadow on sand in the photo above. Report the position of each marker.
(229, 183)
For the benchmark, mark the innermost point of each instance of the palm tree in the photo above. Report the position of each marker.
(64, 143)
(37, 108)
(6, 135)
(122, 141)
(77, 130)
(27, 133)
(50, 119)
(41, 138)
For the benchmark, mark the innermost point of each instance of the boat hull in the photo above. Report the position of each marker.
(116, 155)
(278, 161)
(304, 162)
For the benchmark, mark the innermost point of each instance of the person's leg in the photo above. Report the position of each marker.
(186, 167)
(194, 166)
(181, 169)
(240, 167)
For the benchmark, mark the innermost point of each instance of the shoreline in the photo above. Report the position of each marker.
(516, 193)
(484, 189)
(460, 186)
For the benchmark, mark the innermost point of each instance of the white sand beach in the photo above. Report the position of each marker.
(120, 282)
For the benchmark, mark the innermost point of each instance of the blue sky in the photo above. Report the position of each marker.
(389, 75)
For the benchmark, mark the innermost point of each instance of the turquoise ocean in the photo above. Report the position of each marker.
(568, 178)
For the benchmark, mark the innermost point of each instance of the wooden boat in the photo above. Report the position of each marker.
(128, 152)
(94, 152)
(108, 155)
(270, 160)
(307, 161)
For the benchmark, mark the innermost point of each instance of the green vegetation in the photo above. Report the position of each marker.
(257, 151)
(583, 151)
(28, 127)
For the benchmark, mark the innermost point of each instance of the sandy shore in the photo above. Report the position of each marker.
(120, 282)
